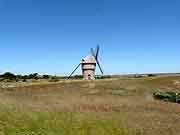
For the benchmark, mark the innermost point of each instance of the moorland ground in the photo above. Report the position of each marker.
(108, 107)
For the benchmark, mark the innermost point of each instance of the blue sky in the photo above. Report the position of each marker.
(52, 36)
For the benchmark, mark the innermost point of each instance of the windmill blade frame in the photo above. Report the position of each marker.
(96, 57)
(99, 66)
(74, 70)
(97, 52)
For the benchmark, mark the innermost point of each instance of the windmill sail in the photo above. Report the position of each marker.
(99, 66)
(96, 57)
(74, 70)
(97, 52)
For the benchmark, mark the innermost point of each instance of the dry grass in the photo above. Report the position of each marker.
(126, 100)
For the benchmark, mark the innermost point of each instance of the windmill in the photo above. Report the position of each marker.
(88, 65)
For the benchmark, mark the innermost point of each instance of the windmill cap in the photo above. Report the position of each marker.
(89, 59)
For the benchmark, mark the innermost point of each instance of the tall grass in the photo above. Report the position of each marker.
(16, 122)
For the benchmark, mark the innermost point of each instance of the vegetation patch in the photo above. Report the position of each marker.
(167, 96)
(14, 122)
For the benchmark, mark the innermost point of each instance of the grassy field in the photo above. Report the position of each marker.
(122, 106)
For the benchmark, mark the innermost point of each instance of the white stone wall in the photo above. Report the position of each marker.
(89, 74)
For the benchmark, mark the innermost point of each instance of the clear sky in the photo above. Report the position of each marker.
(52, 36)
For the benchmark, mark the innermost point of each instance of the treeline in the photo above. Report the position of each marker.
(97, 77)
(104, 77)
(10, 77)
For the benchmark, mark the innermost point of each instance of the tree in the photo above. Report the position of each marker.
(33, 76)
(151, 75)
(46, 76)
(8, 76)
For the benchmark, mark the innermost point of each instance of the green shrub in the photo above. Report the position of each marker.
(167, 96)
(45, 76)
(104, 77)
(54, 79)
(24, 80)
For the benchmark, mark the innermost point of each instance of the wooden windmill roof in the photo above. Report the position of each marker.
(89, 59)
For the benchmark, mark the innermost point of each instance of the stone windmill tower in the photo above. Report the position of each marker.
(88, 65)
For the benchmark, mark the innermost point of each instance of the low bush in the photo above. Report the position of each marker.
(167, 96)
(54, 79)
(104, 77)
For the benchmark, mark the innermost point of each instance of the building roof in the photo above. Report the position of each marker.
(89, 59)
